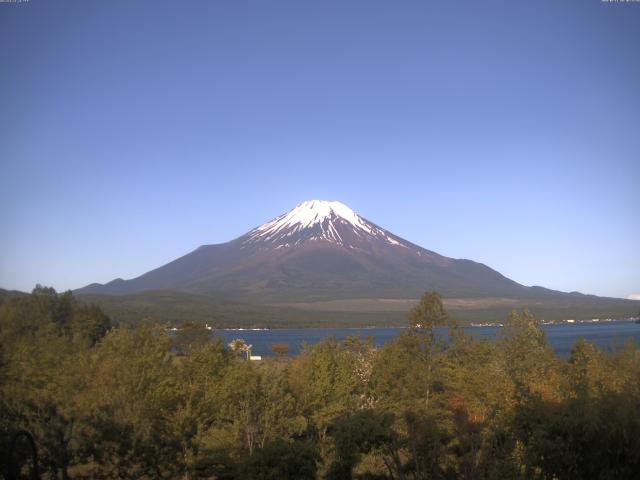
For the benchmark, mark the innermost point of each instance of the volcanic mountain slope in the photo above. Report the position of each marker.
(320, 251)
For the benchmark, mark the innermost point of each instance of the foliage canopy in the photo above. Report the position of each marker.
(119, 402)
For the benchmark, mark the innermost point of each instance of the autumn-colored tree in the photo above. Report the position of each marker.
(281, 349)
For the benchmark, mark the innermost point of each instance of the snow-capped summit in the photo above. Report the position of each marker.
(311, 212)
(320, 220)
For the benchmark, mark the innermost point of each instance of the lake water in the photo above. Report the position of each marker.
(561, 337)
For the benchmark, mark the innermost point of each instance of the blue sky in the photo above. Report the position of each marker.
(132, 132)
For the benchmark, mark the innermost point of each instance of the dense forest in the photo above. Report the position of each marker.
(109, 401)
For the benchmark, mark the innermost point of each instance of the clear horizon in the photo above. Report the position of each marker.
(134, 132)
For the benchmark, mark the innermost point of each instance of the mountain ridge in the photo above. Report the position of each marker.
(321, 250)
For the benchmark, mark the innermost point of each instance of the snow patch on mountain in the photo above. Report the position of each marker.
(318, 220)
(312, 212)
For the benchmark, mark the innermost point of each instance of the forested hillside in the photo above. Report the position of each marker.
(123, 402)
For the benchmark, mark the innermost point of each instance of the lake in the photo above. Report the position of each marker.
(561, 337)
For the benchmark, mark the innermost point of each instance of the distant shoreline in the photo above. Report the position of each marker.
(373, 327)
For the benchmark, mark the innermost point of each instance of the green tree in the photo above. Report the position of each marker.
(241, 404)
(281, 460)
(580, 438)
(43, 368)
(88, 325)
(191, 337)
(528, 358)
(281, 416)
(358, 434)
(323, 382)
(131, 390)
(429, 312)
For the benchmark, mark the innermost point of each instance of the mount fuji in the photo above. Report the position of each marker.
(320, 251)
